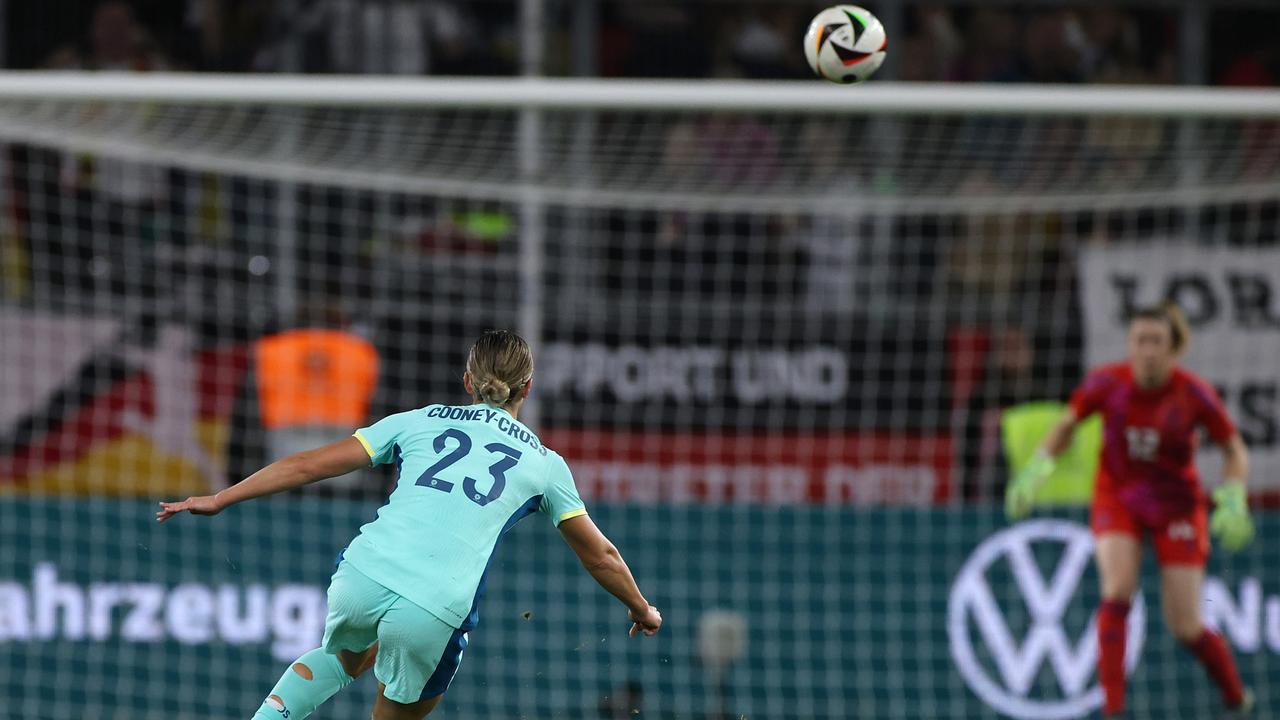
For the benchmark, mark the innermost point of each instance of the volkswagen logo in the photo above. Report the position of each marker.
(975, 619)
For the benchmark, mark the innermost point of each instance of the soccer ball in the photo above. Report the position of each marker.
(845, 44)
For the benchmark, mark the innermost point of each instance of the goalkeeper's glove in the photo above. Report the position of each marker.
(1231, 523)
(1021, 493)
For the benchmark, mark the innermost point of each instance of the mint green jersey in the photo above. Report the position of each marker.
(467, 474)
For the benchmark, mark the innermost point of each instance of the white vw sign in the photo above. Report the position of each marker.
(1017, 662)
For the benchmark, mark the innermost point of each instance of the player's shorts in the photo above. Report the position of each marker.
(418, 653)
(1181, 541)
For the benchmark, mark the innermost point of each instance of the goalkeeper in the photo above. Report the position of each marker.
(1147, 486)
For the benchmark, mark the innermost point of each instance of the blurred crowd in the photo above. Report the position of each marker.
(944, 42)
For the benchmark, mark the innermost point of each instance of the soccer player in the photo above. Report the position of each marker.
(405, 593)
(1147, 486)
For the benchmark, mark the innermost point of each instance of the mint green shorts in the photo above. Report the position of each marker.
(418, 653)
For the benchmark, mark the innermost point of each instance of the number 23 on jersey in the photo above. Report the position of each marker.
(508, 457)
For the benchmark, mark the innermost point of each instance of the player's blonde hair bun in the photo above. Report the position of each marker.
(494, 391)
(500, 364)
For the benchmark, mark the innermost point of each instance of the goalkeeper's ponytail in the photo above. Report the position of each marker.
(1178, 325)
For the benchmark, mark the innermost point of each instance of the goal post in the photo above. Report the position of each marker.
(544, 93)
(778, 328)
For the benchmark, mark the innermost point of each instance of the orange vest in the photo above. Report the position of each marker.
(315, 377)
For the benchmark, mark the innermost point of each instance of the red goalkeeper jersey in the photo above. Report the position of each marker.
(1150, 438)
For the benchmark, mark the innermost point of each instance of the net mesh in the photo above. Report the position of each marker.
(722, 160)
(776, 349)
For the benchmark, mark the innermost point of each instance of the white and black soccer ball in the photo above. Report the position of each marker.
(845, 44)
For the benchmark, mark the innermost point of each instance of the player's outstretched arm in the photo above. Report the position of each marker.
(1021, 493)
(299, 469)
(606, 565)
(1059, 437)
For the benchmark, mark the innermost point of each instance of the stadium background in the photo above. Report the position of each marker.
(786, 353)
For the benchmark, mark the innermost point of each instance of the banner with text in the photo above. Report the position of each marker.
(105, 614)
(772, 469)
(680, 381)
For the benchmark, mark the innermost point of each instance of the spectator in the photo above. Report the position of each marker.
(1006, 381)
(380, 37)
(119, 42)
(764, 47)
(227, 35)
(314, 384)
(932, 51)
(1254, 62)
(991, 52)
(658, 39)
(117, 201)
(396, 37)
(836, 245)
(991, 256)
(1048, 55)
(743, 150)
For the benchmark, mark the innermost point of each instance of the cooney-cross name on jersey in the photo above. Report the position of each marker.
(500, 418)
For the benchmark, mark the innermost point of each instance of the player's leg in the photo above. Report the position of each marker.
(384, 709)
(349, 649)
(1183, 548)
(311, 680)
(1118, 548)
(418, 655)
(358, 663)
(1119, 557)
(1180, 596)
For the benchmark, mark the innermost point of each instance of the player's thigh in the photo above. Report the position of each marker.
(356, 663)
(385, 709)
(355, 604)
(1180, 599)
(412, 643)
(1119, 556)
(1117, 547)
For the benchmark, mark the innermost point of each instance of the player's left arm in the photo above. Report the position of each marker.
(603, 561)
(1222, 431)
(600, 557)
(1235, 468)
(339, 458)
(1230, 522)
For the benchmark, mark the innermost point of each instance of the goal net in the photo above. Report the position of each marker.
(791, 340)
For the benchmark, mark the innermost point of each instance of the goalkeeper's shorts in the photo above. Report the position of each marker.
(1182, 540)
(418, 653)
